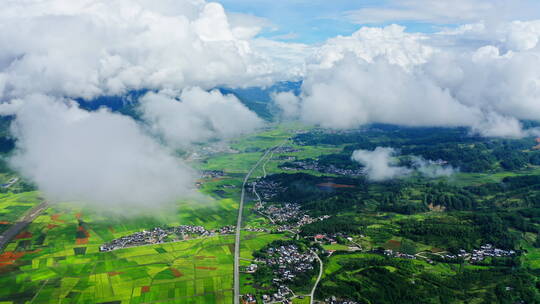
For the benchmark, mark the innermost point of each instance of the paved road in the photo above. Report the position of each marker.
(238, 228)
(318, 278)
(21, 224)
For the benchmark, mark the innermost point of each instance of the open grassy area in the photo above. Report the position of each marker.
(14, 206)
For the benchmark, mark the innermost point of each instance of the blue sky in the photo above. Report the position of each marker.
(309, 20)
(313, 21)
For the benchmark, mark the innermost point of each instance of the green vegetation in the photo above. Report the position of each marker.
(495, 199)
(370, 278)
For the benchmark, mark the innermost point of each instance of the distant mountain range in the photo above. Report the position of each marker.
(257, 99)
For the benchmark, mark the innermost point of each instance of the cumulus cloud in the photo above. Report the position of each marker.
(99, 158)
(93, 48)
(380, 164)
(195, 115)
(369, 43)
(389, 76)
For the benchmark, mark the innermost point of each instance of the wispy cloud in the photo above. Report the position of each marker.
(445, 12)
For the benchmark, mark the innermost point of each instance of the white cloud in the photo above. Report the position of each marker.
(370, 43)
(380, 164)
(97, 158)
(246, 26)
(195, 115)
(92, 48)
(426, 80)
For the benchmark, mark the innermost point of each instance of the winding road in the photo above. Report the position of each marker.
(312, 295)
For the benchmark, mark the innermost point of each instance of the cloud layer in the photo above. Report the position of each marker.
(93, 157)
(93, 48)
(85, 49)
(389, 76)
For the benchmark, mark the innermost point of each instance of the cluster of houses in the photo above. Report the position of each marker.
(313, 165)
(286, 149)
(489, 251)
(287, 261)
(253, 229)
(288, 217)
(282, 295)
(252, 268)
(478, 255)
(267, 189)
(334, 300)
(331, 238)
(286, 213)
(154, 236)
(158, 235)
(396, 254)
(211, 174)
(249, 299)
(231, 229)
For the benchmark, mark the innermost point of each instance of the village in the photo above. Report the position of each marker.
(314, 165)
(288, 217)
(211, 174)
(286, 262)
(282, 295)
(267, 189)
(475, 256)
(478, 255)
(158, 235)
